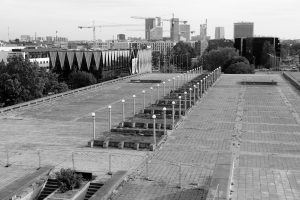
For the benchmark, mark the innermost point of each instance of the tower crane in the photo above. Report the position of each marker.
(138, 17)
(93, 27)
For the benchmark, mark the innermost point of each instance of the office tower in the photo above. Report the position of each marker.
(149, 24)
(203, 31)
(243, 29)
(185, 30)
(174, 29)
(121, 37)
(219, 33)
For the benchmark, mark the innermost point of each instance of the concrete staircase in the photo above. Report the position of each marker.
(49, 188)
(93, 188)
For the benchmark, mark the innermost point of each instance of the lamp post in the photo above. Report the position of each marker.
(154, 133)
(201, 88)
(179, 97)
(178, 81)
(190, 96)
(169, 81)
(109, 117)
(198, 90)
(144, 99)
(185, 94)
(165, 120)
(133, 96)
(173, 114)
(194, 94)
(123, 109)
(94, 125)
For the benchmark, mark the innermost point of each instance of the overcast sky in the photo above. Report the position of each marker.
(271, 17)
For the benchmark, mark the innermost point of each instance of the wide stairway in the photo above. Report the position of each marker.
(93, 188)
(50, 187)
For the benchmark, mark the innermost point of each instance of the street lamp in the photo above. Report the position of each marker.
(94, 125)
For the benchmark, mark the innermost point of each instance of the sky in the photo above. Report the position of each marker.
(278, 18)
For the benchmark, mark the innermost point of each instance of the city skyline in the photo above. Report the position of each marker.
(24, 17)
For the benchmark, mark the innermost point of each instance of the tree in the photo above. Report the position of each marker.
(81, 79)
(216, 58)
(52, 86)
(295, 49)
(238, 65)
(22, 81)
(240, 68)
(182, 54)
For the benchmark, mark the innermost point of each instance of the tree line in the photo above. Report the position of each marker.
(22, 81)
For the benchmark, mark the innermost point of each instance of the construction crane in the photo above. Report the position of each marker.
(138, 17)
(93, 27)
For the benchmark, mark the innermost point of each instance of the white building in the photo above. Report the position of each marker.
(41, 62)
(7, 51)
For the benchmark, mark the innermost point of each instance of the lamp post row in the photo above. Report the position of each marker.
(194, 93)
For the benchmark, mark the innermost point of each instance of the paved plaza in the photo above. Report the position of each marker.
(242, 139)
(59, 131)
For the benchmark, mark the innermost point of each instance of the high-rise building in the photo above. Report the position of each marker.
(156, 33)
(121, 37)
(149, 24)
(219, 33)
(25, 38)
(174, 29)
(203, 31)
(49, 39)
(185, 30)
(243, 29)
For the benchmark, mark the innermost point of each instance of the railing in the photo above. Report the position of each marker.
(54, 97)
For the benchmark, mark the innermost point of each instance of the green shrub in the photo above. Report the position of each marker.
(68, 180)
(81, 79)
(239, 68)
